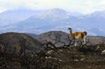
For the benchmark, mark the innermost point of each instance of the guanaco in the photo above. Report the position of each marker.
(78, 36)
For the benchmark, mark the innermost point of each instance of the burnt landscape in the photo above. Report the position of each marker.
(50, 50)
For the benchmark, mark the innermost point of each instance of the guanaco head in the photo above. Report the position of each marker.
(85, 32)
(69, 28)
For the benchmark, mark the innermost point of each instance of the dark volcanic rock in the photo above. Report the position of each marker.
(20, 51)
(17, 43)
(17, 50)
(78, 57)
(58, 38)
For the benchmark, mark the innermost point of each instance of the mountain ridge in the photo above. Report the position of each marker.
(56, 19)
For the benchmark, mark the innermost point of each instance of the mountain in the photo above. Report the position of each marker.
(40, 21)
(14, 16)
(94, 23)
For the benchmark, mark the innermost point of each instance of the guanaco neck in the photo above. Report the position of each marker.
(70, 31)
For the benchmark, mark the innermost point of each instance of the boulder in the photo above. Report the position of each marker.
(58, 38)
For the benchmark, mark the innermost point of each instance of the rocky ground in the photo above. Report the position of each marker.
(51, 50)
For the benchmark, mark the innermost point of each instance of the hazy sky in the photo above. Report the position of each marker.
(82, 6)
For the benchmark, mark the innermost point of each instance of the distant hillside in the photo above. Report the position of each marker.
(32, 35)
(94, 40)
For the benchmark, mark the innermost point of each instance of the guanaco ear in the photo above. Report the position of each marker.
(85, 32)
